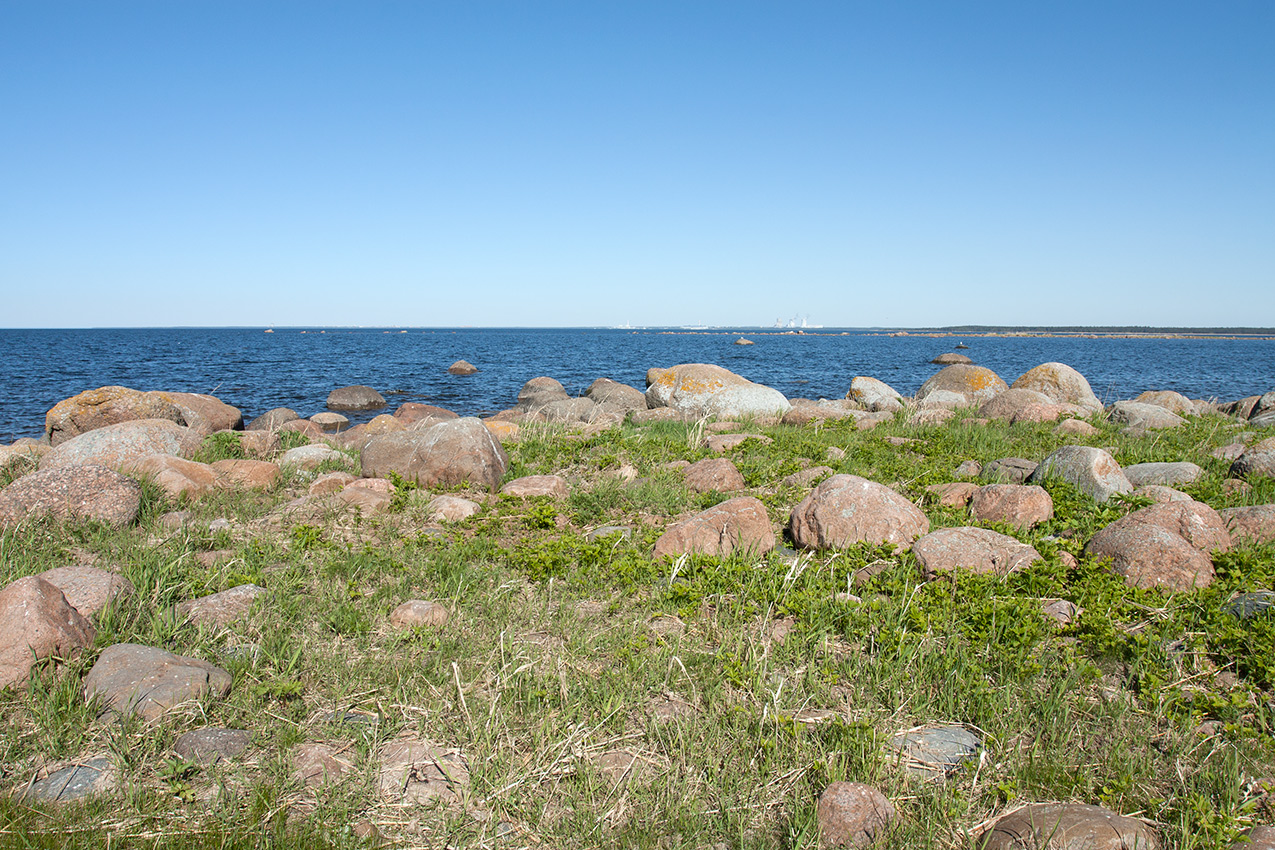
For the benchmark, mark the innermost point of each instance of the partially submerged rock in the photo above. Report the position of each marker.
(356, 397)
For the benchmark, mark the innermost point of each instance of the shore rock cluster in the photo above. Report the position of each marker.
(102, 445)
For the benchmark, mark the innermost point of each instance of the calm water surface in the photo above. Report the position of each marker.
(297, 368)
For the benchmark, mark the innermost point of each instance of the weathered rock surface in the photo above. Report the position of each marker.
(699, 389)
(1023, 505)
(461, 451)
(933, 752)
(1008, 404)
(539, 392)
(1061, 383)
(93, 409)
(246, 474)
(462, 367)
(37, 622)
(607, 391)
(1253, 522)
(74, 782)
(417, 771)
(1067, 826)
(212, 744)
(71, 493)
(957, 494)
(330, 422)
(1092, 471)
(142, 680)
(356, 397)
(1171, 401)
(1139, 418)
(412, 412)
(725, 442)
(1075, 428)
(1257, 460)
(311, 457)
(847, 509)
(975, 549)
(1148, 556)
(175, 476)
(273, 420)
(714, 473)
(219, 610)
(418, 612)
(451, 508)
(1201, 526)
(973, 384)
(1161, 493)
(553, 486)
(736, 525)
(331, 482)
(805, 477)
(88, 589)
(315, 765)
(874, 395)
(852, 815)
(1008, 470)
(1168, 474)
(115, 446)
(951, 358)
(206, 414)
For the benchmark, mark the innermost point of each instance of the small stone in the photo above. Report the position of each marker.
(211, 744)
(451, 508)
(462, 367)
(852, 815)
(1061, 611)
(618, 766)
(317, 765)
(416, 771)
(968, 469)
(714, 473)
(553, 486)
(725, 442)
(1245, 606)
(1008, 470)
(418, 613)
(954, 495)
(933, 752)
(221, 609)
(76, 782)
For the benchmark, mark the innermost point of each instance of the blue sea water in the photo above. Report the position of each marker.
(298, 367)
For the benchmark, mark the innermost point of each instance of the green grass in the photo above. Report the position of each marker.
(561, 649)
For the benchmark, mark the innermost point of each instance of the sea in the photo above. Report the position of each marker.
(256, 369)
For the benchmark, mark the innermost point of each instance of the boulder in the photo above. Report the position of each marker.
(738, 525)
(699, 389)
(331, 482)
(850, 814)
(37, 622)
(115, 446)
(206, 414)
(1254, 522)
(607, 391)
(1062, 384)
(132, 679)
(219, 610)
(330, 422)
(411, 412)
(462, 367)
(1257, 460)
(847, 509)
(1067, 826)
(88, 589)
(311, 457)
(355, 397)
(1201, 526)
(977, 550)
(714, 473)
(1169, 400)
(93, 409)
(570, 410)
(357, 437)
(415, 613)
(451, 508)
(452, 453)
(538, 392)
(554, 486)
(1092, 471)
(176, 476)
(1075, 428)
(1008, 470)
(973, 384)
(1148, 556)
(1022, 406)
(1168, 474)
(951, 358)
(1022, 505)
(1161, 493)
(258, 444)
(874, 395)
(368, 495)
(1138, 417)
(246, 474)
(954, 495)
(74, 493)
(273, 420)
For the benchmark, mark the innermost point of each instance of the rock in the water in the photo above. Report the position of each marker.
(736, 525)
(714, 473)
(607, 391)
(1061, 383)
(418, 612)
(219, 610)
(451, 508)
(75, 782)
(416, 771)
(142, 680)
(1139, 418)
(176, 476)
(874, 395)
(1008, 470)
(973, 384)
(75, 493)
(847, 509)
(951, 358)
(37, 622)
(1168, 474)
(1254, 522)
(460, 451)
(852, 815)
(553, 486)
(1023, 505)
(88, 589)
(1257, 460)
(115, 446)
(356, 397)
(1067, 826)
(212, 744)
(933, 752)
(93, 409)
(273, 420)
(699, 389)
(462, 367)
(977, 550)
(1092, 471)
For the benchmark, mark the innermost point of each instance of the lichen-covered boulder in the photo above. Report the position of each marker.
(974, 384)
(700, 389)
(451, 453)
(874, 395)
(847, 509)
(116, 446)
(93, 409)
(1061, 383)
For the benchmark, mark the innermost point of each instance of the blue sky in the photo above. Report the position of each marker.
(600, 163)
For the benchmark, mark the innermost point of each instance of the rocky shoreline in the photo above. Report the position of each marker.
(153, 466)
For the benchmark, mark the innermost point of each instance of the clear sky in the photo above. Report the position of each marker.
(602, 162)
